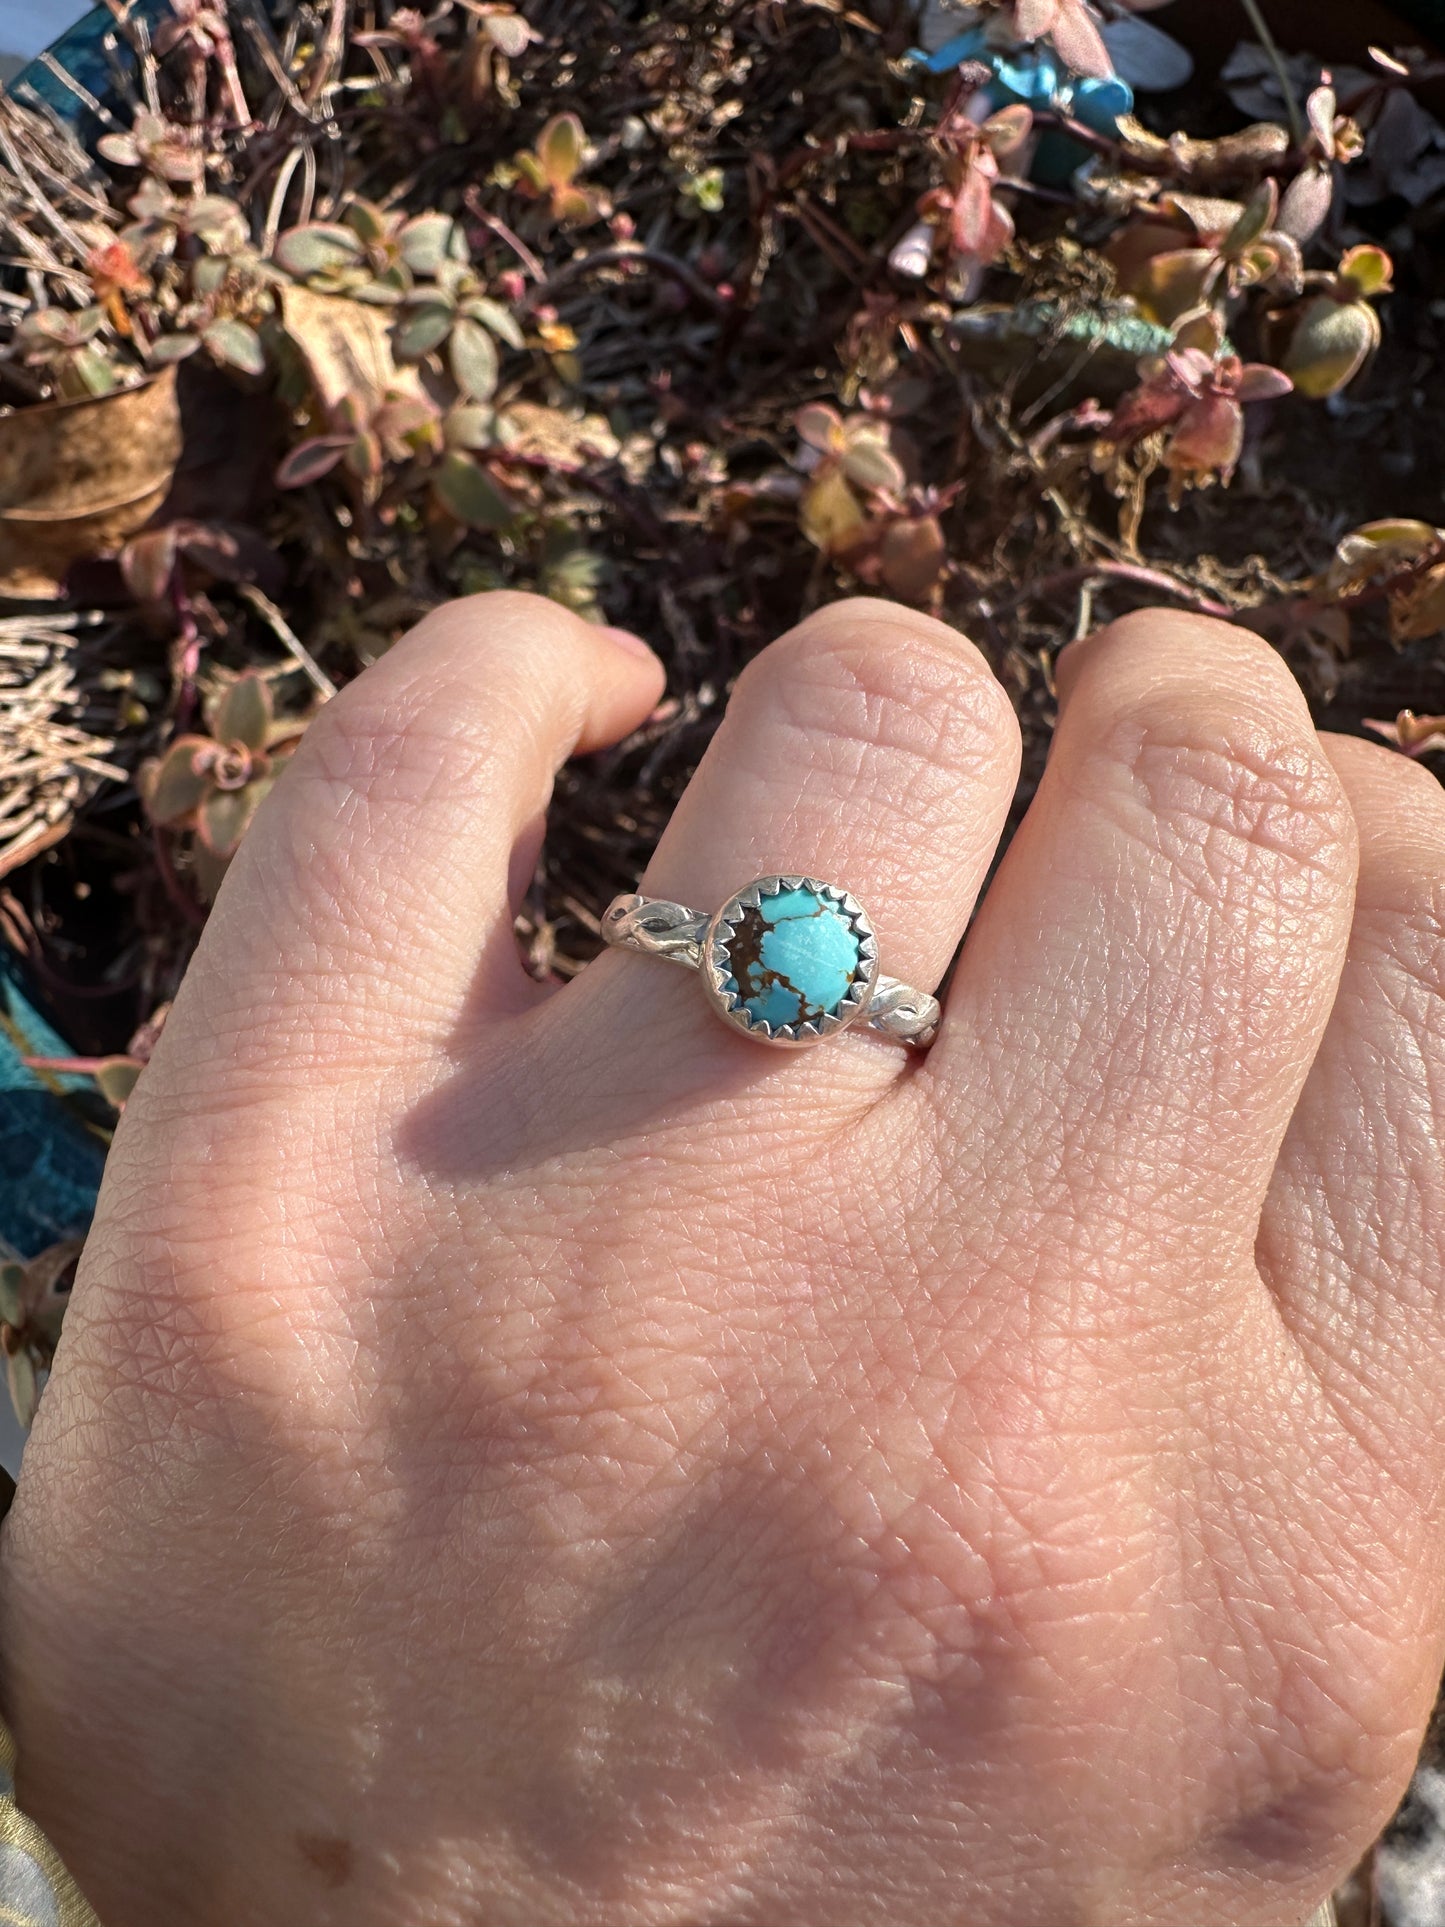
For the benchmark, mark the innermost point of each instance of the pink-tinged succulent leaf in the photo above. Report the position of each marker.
(1320, 110)
(319, 247)
(509, 33)
(868, 460)
(147, 563)
(1007, 132)
(473, 356)
(245, 712)
(972, 211)
(1306, 204)
(560, 147)
(1210, 217)
(235, 344)
(1330, 344)
(576, 206)
(405, 417)
(913, 254)
(423, 328)
(310, 460)
(912, 556)
(425, 242)
(1257, 382)
(366, 458)
(47, 328)
(1368, 271)
(1416, 735)
(821, 427)
(1032, 19)
(467, 492)
(1078, 42)
(1151, 406)
(171, 348)
(174, 785)
(1256, 219)
(225, 816)
(1000, 233)
(1208, 439)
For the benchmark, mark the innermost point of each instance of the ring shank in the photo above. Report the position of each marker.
(654, 927)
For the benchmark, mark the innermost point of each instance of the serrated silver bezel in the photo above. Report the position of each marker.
(717, 966)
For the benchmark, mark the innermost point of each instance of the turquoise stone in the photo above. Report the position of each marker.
(793, 959)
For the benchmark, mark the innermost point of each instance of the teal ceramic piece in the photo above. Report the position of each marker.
(50, 1160)
(1035, 77)
(80, 52)
(793, 959)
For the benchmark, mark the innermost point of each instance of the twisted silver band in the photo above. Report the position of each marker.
(701, 942)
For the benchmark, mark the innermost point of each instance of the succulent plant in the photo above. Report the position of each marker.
(1188, 251)
(842, 456)
(549, 173)
(33, 1298)
(1330, 334)
(62, 340)
(213, 785)
(1195, 394)
(962, 216)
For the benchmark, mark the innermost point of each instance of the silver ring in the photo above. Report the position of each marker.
(788, 961)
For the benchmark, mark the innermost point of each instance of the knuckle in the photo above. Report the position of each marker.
(895, 683)
(1229, 793)
(1170, 648)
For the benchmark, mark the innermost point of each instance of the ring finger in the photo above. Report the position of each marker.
(871, 748)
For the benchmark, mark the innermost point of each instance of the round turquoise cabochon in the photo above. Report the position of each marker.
(793, 958)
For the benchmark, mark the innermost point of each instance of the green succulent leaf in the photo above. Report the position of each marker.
(245, 712)
(469, 493)
(1368, 271)
(225, 817)
(1330, 344)
(1257, 219)
(471, 425)
(23, 1385)
(502, 322)
(368, 221)
(235, 344)
(473, 359)
(12, 1295)
(310, 460)
(560, 147)
(174, 786)
(94, 372)
(426, 242)
(317, 248)
(116, 1079)
(421, 329)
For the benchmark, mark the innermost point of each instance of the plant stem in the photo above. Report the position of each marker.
(1276, 60)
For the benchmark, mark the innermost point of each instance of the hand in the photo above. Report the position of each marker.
(525, 1456)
